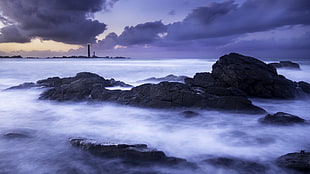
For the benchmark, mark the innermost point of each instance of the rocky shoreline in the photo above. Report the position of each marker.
(233, 80)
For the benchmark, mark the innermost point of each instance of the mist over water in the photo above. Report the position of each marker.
(47, 125)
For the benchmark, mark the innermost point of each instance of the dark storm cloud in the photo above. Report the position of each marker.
(142, 33)
(12, 33)
(213, 24)
(227, 18)
(65, 21)
(134, 35)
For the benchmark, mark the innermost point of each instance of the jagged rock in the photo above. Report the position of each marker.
(296, 161)
(285, 64)
(234, 103)
(91, 87)
(281, 118)
(252, 76)
(239, 165)
(169, 78)
(173, 94)
(136, 153)
(304, 86)
(162, 95)
(201, 80)
(81, 87)
(24, 86)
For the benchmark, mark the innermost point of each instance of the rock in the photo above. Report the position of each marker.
(285, 64)
(296, 161)
(234, 103)
(220, 91)
(16, 135)
(281, 118)
(189, 114)
(252, 76)
(173, 94)
(240, 165)
(81, 87)
(50, 82)
(201, 80)
(304, 86)
(91, 87)
(136, 153)
(162, 95)
(169, 78)
(26, 85)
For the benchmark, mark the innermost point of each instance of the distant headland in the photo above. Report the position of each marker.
(64, 57)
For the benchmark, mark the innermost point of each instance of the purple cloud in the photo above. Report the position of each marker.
(65, 21)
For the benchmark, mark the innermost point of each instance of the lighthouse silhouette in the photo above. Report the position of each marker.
(88, 45)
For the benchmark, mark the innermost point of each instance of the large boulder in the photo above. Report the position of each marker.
(296, 161)
(281, 118)
(252, 76)
(134, 153)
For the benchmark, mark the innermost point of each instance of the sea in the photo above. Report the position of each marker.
(46, 126)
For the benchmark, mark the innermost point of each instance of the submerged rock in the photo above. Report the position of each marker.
(136, 153)
(239, 165)
(296, 161)
(281, 118)
(285, 64)
(189, 114)
(16, 135)
(169, 78)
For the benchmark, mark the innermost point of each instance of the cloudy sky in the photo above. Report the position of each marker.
(156, 29)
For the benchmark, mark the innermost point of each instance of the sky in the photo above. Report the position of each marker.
(156, 29)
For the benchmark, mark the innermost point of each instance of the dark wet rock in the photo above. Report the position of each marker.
(204, 80)
(136, 153)
(16, 135)
(304, 86)
(161, 95)
(252, 76)
(239, 165)
(76, 88)
(281, 118)
(286, 64)
(296, 161)
(26, 85)
(234, 103)
(220, 91)
(189, 114)
(92, 87)
(173, 94)
(50, 82)
(169, 78)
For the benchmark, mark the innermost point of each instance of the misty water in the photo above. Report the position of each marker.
(47, 125)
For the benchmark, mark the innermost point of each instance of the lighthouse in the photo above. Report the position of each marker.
(88, 45)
